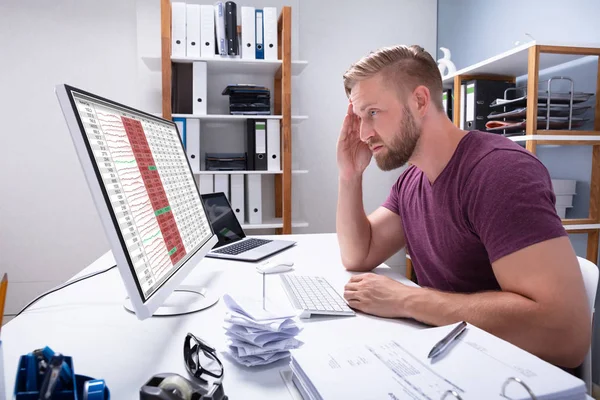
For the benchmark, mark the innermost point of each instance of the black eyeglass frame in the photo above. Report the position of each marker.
(201, 346)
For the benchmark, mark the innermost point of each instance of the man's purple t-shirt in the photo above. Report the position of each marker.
(492, 199)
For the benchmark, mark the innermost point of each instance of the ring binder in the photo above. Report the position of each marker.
(503, 392)
(519, 381)
(453, 393)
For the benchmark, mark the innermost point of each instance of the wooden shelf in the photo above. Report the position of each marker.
(574, 228)
(228, 117)
(296, 171)
(559, 139)
(515, 61)
(273, 223)
(227, 65)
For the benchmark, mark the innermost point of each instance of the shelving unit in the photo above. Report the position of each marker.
(296, 171)
(227, 117)
(282, 71)
(525, 60)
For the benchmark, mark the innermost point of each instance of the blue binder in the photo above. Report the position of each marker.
(260, 35)
(182, 128)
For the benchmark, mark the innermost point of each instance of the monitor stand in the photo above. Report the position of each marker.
(185, 300)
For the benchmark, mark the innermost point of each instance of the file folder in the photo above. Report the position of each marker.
(270, 32)
(192, 18)
(207, 30)
(181, 125)
(260, 143)
(461, 121)
(178, 34)
(273, 145)
(260, 51)
(199, 87)
(481, 93)
(231, 28)
(193, 143)
(220, 28)
(248, 33)
(254, 199)
(237, 197)
(207, 184)
(222, 184)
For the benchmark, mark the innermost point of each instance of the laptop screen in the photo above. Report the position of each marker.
(224, 222)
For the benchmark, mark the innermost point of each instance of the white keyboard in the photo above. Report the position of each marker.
(314, 295)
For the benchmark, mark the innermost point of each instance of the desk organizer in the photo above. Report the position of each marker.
(29, 381)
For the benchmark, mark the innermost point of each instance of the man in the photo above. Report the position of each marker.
(474, 210)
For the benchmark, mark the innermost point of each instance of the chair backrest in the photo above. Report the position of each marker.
(589, 270)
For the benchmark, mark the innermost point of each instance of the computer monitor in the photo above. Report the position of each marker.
(146, 195)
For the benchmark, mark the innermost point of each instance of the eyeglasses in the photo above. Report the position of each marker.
(200, 358)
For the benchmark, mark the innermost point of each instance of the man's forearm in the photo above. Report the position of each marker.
(352, 225)
(509, 316)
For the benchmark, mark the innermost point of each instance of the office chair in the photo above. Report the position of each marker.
(589, 270)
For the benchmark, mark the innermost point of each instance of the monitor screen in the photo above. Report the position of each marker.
(223, 219)
(147, 182)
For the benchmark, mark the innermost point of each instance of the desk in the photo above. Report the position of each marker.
(88, 322)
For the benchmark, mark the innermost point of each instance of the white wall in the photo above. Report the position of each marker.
(49, 229)
(333, 35)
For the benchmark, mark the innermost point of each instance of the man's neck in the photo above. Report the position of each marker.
(438, 142)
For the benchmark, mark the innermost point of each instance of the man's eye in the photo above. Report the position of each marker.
(372, 113)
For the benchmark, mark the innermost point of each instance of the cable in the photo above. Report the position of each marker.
(56, 289)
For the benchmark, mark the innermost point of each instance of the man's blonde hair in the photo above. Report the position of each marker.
(405, 66)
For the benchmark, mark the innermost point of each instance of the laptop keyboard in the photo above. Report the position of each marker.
(242, 246)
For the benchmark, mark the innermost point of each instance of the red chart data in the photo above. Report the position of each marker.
(150, 186)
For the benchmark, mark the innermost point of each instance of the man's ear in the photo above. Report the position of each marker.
(422, 98)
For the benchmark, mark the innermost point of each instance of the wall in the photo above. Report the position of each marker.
(476, 30)
(49, 229)
(332, 37)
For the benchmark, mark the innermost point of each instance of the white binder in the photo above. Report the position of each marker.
(192, 18)
(254, 198)
(273, 145)
(222, 184)
(248, 33)
(207, 30)
(178, 29)
(199, 87)
(192, 149)
(237, 197)
(220, 28)
(207, 184)
(270, 32)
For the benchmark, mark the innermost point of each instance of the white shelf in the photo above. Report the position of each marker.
(511, 63)
(230, 65)
(556, 138)
(228, 117)
(295, 171)
(273, 223)
(581, 227)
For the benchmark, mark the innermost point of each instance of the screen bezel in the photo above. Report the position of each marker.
(103, 204)
(237, 222)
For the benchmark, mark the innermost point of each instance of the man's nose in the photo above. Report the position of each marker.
(366, 131)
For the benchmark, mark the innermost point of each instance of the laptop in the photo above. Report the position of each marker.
(233, 243)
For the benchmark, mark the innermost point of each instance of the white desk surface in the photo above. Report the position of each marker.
(87, 321)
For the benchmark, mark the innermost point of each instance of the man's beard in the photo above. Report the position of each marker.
(402, 146)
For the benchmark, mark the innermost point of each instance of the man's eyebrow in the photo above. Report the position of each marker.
(363, 108)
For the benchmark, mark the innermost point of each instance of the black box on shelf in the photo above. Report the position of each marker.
(225, 162)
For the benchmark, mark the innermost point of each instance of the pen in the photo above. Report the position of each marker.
(264, 291)
(449, 338)
(51, 378)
